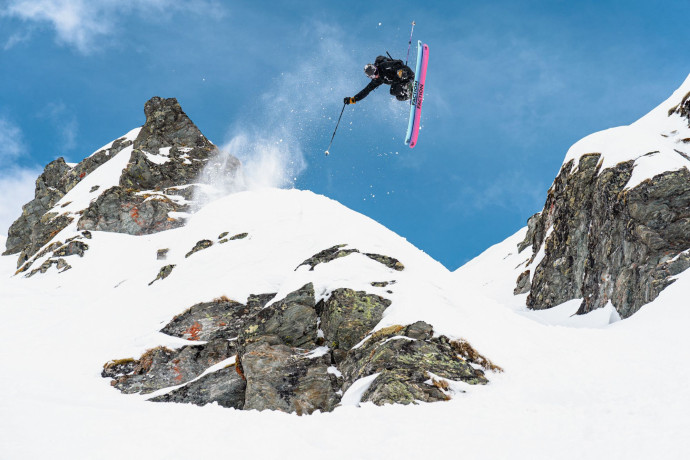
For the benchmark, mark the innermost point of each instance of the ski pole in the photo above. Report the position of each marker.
(409, 43)
(336, 129)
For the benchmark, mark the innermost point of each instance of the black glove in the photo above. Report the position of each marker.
(349, 100)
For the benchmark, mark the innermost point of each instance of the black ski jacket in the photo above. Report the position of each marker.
(387, 70)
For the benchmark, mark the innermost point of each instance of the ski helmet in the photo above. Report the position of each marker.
(370, 70)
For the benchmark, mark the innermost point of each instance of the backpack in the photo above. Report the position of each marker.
(393, 70)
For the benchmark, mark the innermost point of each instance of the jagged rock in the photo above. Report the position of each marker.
(682, 109)
(118, 368)
(609, 243)
(57, 179)
(203, 244)
(126, 211)
(347, 316)
(336, 252)
(86, 234)
(225, 387)
(94, 188)
(120, 209)
(284, 378)
(144, 174)
(168, 126)
(389, 262)
(256, 302)
(72, 248)
(187, 192)
(161, 367)
(327, 255)
(61, 265)
(208, 320)
(239, 236)
(523, 284)
(382, 283)
(291, 321)
(223, 235)
(404, 357)
(46, 195)
(163, 273)
(162, 254)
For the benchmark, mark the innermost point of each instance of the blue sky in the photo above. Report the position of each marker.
(511, 85)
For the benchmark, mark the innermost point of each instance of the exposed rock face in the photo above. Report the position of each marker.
(285, 378)
(336, 252)
(166, 158)
(219, 318)
(225, 387)
(348, 316)
(168, 126)
(203, 244)
(163, 273)
(127, 211)
(404, 357)
(682, 109)
(27, 233)
(161, 367)
(282, 364)
(291, 321)
(604, 242)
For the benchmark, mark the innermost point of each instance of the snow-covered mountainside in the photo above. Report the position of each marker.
(615, 228)
(125, 296)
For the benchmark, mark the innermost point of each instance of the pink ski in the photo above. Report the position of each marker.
(420, 96)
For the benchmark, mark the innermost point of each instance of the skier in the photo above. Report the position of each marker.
(391, 72)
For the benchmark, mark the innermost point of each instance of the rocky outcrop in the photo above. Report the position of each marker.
(606, 243)
(57, 179)
(200, 245)
(224, 387)
(163, 273)
(166, 158)
(280, 377)
(347, 317)
(290, 321)
(162, 367)
(336, 252)
(285, 361)
(682, 109)
(220, 318)
(407, 360)
(122, 210)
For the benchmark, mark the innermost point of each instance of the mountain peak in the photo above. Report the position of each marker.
(167, 125)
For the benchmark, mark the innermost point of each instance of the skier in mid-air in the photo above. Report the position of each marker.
(390, 71)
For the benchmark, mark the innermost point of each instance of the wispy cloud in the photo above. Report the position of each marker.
(11, 140)
(83, 23)
(16, 38)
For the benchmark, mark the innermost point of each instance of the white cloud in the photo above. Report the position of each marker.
(16, 188)
(16, 38)
(82, 23)
(11, 143)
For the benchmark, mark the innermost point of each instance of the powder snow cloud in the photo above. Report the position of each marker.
(271, 139)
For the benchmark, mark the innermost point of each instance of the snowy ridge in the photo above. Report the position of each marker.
(657, 142)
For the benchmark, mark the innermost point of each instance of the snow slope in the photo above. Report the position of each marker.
(609, 392)
(655, 142)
